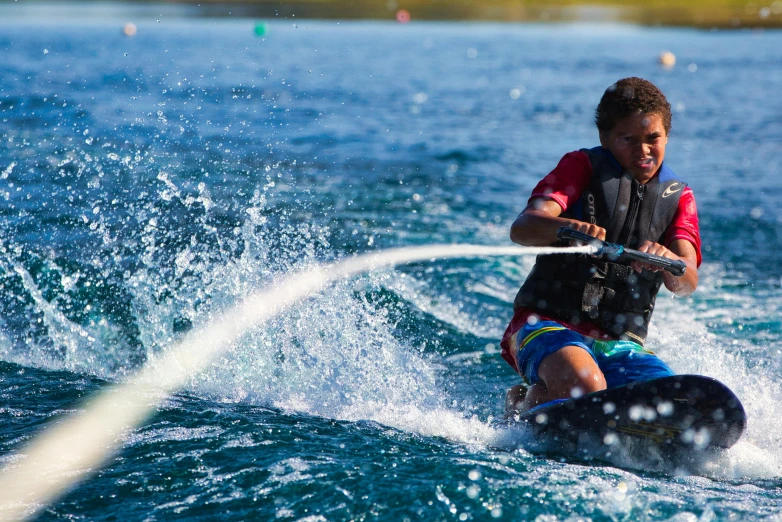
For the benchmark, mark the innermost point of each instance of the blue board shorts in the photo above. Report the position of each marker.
(621, 362)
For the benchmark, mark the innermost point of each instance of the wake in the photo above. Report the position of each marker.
(66, 452)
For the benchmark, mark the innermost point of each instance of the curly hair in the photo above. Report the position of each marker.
(630, 96)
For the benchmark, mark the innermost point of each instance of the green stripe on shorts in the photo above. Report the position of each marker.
(613, 347)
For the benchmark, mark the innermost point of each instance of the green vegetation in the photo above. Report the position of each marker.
(694, 13)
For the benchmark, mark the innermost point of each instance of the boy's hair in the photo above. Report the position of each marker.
(630, 96)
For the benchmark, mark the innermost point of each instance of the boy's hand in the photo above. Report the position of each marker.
(681, 250)
(656, 249)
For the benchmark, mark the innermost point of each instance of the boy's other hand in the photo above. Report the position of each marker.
(589, 229)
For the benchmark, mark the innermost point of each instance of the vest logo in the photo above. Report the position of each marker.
(670, 190)
(591, 208)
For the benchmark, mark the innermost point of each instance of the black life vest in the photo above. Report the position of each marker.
(576, 287)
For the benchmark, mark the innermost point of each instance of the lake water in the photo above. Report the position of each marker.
(148, 182)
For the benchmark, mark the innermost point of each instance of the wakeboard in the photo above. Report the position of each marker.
(671, 415)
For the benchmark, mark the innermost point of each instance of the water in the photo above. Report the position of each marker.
(148, 183)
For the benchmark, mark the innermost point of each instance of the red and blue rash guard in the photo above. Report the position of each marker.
(564, 186)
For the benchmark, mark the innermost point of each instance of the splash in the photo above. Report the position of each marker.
(66, 452)
(72, 346)
(691, 348)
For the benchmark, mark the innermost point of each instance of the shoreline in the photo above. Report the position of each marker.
(726, 14)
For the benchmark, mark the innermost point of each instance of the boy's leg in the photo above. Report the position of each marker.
(556, 362)
(569, 372)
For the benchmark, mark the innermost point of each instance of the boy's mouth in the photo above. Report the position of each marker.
(644, 163)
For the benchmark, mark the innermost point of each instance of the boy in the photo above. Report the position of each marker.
(579, 322)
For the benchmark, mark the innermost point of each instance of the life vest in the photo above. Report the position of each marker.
(580, 288)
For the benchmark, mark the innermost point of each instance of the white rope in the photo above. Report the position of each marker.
(72, 447)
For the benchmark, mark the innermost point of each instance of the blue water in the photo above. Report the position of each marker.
(147, 183)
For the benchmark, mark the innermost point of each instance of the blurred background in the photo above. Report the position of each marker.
(695, 13)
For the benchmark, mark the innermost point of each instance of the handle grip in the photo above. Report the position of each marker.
(613, 251)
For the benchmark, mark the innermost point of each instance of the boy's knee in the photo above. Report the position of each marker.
(588, 381)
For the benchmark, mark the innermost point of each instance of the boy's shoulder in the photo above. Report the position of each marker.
(666, 174)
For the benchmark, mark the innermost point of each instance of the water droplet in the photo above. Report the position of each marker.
(665, 408)
(420, 97)
(516, 93)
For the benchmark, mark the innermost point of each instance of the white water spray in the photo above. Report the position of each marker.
(67, 451)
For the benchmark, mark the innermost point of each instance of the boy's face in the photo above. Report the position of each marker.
(638, 144)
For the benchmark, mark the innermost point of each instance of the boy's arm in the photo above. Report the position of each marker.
(686, 284)
(537, 224)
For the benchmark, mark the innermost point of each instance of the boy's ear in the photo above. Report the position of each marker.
(604, 139)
